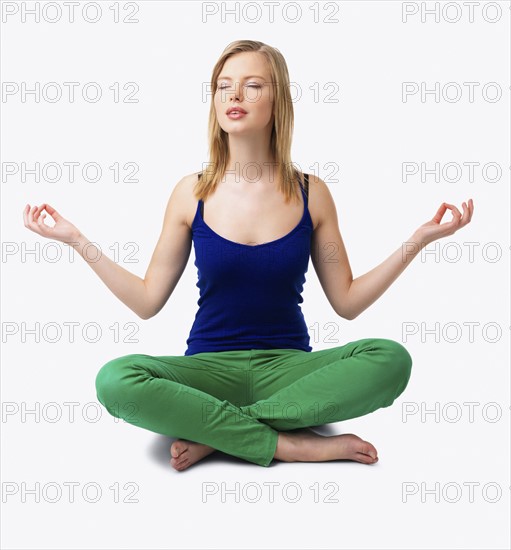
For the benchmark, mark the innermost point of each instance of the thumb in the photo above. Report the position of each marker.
(52, 212)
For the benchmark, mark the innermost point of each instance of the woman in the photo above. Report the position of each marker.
(248, 384)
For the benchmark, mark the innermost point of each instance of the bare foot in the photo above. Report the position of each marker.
(184, 453)
(305, 445)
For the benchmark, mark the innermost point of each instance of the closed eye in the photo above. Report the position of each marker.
(248, 86)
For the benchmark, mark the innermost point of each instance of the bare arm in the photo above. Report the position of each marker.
(127, 286)
(172, 251)
(367, 288)
(348, 296)
(145, 296)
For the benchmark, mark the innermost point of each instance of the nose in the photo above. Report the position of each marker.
(236, 95)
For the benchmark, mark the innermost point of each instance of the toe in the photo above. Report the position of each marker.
(361, 457)
(369, 449)
(177, 448)
(183, 464)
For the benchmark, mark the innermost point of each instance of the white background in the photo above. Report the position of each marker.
(367, 134)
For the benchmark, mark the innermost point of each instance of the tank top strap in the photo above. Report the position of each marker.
(200, 204)
(305, 188)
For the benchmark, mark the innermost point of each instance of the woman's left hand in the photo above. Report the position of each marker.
(433, 230)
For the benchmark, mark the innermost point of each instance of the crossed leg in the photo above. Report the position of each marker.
(320, 387)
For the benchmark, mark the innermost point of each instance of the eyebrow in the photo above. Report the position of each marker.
(222, 77)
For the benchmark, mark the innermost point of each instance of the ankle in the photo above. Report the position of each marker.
(284, 443)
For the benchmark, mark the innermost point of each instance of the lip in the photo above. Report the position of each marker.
(236, 116)
(239, 109)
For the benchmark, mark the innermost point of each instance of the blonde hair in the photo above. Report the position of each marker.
(282, 131)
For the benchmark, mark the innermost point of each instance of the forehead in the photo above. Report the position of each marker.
(244, 64)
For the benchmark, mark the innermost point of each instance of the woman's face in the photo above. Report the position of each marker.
(244, 81)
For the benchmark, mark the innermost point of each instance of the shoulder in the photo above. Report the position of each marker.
(321, 202)
(183, 199)
(187, 182)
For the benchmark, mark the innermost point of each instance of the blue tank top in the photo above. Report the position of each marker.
(250, 296)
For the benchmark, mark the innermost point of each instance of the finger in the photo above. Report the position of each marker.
(35, 218)
(440, 213)
(52, 212)
(33, 223)
(39, 212)
(466, 214)
(40, 220)
(456, 214)
(41, 209)
(43, 229)
(454, 210)
(36, 213)
(31, 214)
(25, 215)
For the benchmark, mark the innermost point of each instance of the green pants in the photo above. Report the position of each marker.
(238, 401)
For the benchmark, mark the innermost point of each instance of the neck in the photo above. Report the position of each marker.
(250, 159)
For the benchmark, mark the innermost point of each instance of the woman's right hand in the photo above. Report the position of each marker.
(62, 231)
